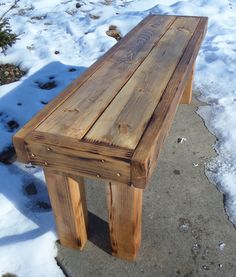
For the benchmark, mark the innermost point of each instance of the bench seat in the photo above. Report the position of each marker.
(111, 122)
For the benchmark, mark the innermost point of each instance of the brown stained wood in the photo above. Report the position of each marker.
(125, 219)
(145, 156)
(187, 94)
(79, 162)
(71, 143)
(79, 112)
(125, 119)
(18, 138)
(69, 206)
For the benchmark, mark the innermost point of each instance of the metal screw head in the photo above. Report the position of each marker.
(103, 161)
(32, 155)
(118, 174)
(48, 148)
(98, 175)
(45, 163)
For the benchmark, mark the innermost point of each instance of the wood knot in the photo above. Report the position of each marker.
(141, 90)
(182, 29)
(123, 128)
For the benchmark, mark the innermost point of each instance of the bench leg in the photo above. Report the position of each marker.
(125, 219)
(187, 94)
(68, 201)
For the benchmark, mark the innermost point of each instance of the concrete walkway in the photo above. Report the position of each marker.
(185, 229)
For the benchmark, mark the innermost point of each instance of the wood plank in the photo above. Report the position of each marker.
(124, 121)
(125, 219)
(77, 162)
(145, 156)
(18, 138)
(69, 207)
(187, 94)
(79, 112)
(72, 143)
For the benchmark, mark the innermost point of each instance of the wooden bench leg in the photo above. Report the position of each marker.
(68, 201)
(125, 219)
(187, 94)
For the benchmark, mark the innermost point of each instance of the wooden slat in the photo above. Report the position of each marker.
(82, 163)
(125, 119)
(69, 206)
(18, 138)
(79, 112)
(125, 219)
(77, 145)
(187, 94)
(145, 156)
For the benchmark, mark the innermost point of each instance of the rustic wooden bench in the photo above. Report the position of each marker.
(110, 124)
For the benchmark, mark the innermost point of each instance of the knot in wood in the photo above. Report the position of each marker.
(123, 128)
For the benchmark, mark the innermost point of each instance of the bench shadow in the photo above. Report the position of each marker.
(18, 106)
(98, 233)
(31, 95)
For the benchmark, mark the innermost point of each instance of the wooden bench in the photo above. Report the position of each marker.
(110, 124)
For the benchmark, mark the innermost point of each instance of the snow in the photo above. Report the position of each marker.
(27, 232)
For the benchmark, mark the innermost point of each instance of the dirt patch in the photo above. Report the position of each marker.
(43, 205)
(10, 73)
(12, 125)
(31, 189)
(47, 86)
(8, 155)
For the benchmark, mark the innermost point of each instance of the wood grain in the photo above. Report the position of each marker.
(125, 219)
(187, 94)
(69, 206)
(72, 143)
(77, 162)
(79, 112)
(145, 156)
(126, 118)
(19, 137)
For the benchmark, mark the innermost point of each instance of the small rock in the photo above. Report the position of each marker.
(220, 265)
(57, 52)
(78, 5)
(114, 32)
(206, 267)
(196, 249)
(184, 225)
(195, 164)
(184, 228)
(6, 73)
(221, 246)
(181, 140)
